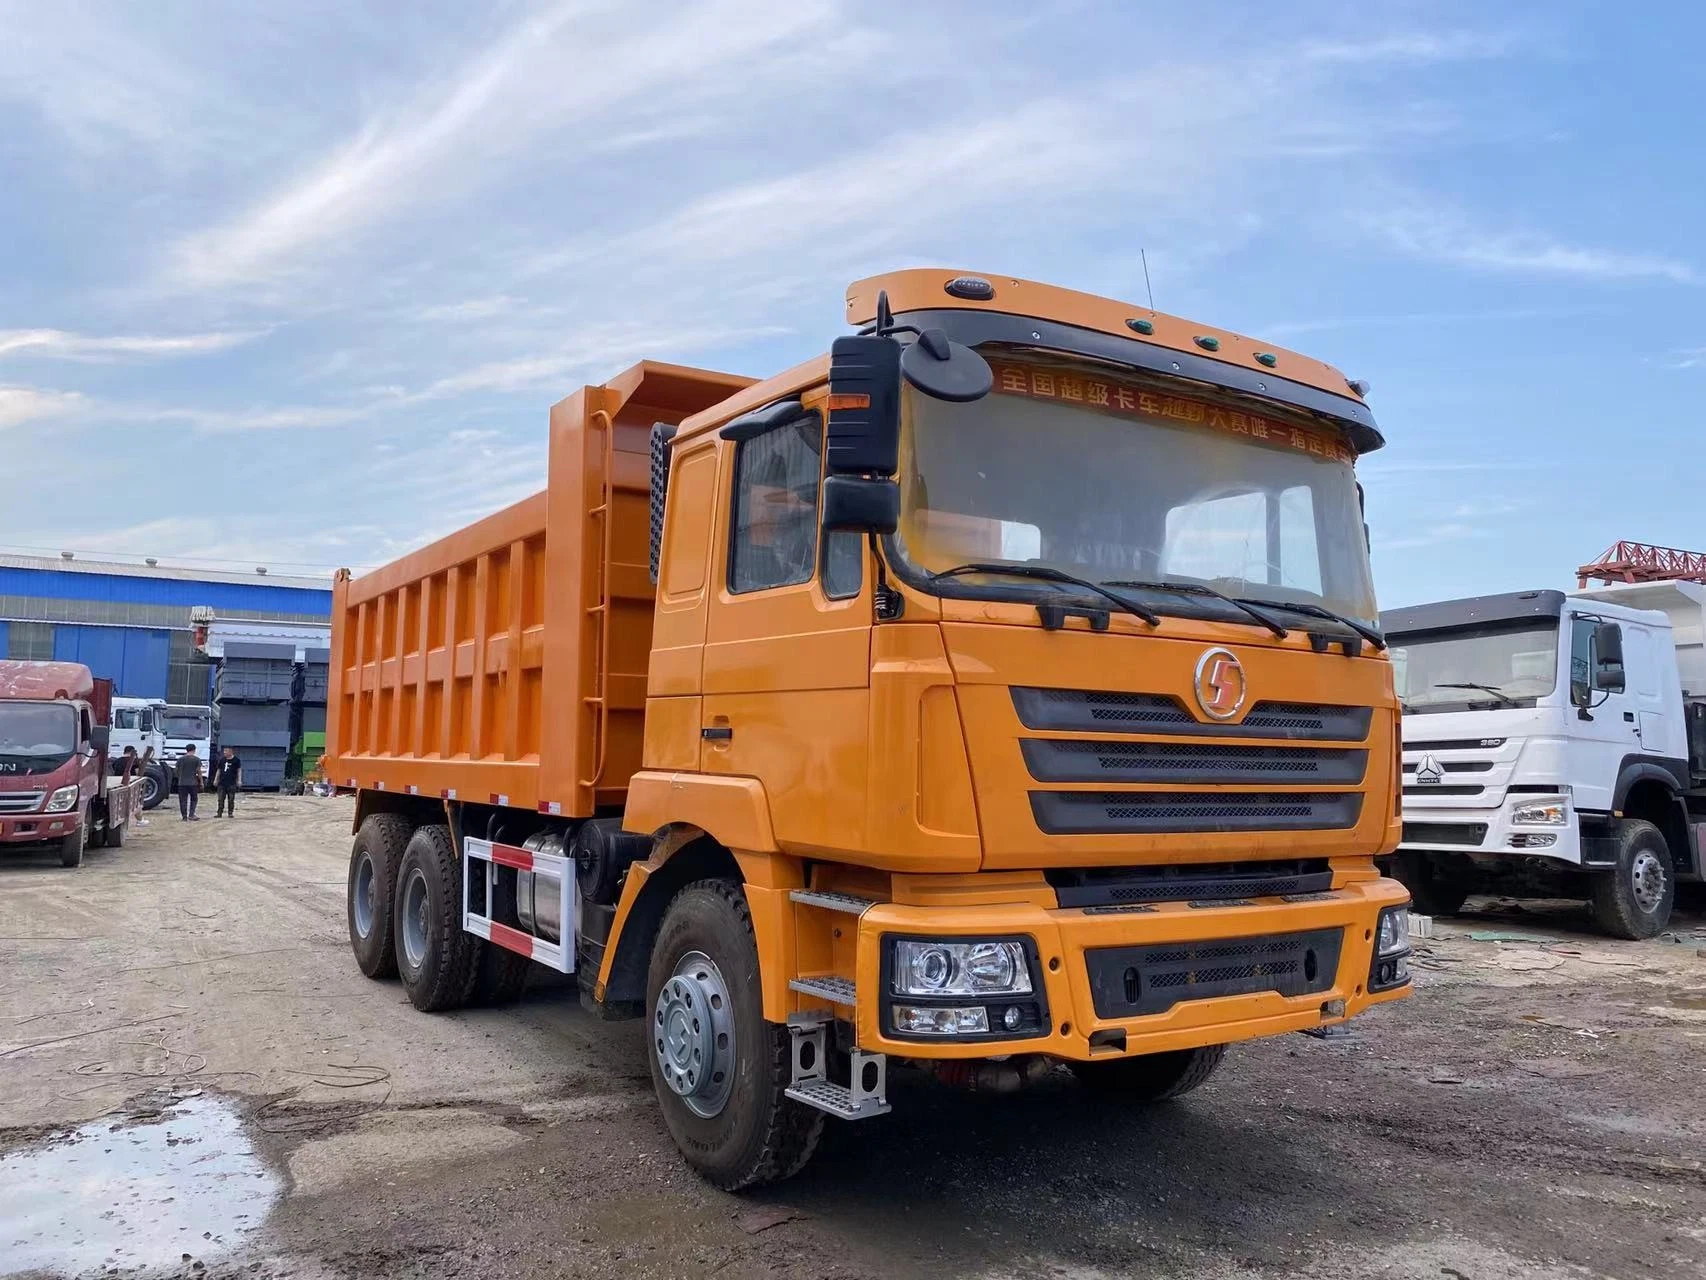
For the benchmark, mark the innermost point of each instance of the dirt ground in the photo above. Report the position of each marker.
(252, 1106)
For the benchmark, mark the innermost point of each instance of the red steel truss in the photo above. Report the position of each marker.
(1642, 562)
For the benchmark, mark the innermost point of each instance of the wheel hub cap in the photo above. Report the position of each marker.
(1648, 877)
(415, 920)
(693, 1035)
(366, 897)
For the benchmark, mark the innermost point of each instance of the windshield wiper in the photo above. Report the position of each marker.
(1201, 589)
(1044, 573)
(1484, 688)
(1367, 632)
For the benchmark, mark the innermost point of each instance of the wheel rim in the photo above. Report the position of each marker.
(693, 1035)
(364, 901)
(1647, 880)
(415, 918)
(150, 788)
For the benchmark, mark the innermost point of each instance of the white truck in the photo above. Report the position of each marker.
(1554, 745)
(137, 723)
(186, 725)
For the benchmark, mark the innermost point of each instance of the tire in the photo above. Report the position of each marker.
(113, 836)
(1634, 898)
(752, 1133)
(373, 860)
(500, 975)
(155, 787)
(1432, 892)
(71, 847)
(436, 960)
(1152, 1077)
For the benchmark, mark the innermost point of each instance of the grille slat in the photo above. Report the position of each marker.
(20, 801)
(1157, 812)
(1130, 982)
(1202, 882)
(1082, 710)
(1075, 760)
(1468, 834)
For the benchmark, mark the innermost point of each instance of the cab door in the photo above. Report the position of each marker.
(788, 642)
(1610, 729)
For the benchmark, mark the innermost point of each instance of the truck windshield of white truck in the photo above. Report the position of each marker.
(1115, 481)
(36, 737)
(1475, 668)
(191, 726)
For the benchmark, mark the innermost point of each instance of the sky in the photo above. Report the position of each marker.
(296, 285)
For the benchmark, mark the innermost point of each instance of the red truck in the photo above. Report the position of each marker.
(55, 724)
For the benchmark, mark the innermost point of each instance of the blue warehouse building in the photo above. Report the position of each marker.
(135, 623)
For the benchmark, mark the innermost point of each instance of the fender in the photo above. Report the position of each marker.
(1637, 768)
(734, 812)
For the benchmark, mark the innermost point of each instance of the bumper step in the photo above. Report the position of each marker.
(829, 900)
(838, 1100)
(835, 990)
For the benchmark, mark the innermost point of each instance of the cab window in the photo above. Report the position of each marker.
(775, 543)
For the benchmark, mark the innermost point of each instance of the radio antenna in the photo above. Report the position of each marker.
(1149, 288)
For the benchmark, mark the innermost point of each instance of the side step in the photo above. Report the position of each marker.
(829, 900)
(863, 1098)
(833, 989)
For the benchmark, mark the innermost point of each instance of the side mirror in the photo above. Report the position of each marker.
(867, 506)
(1608, 644)
(945, 370)
(100, 737)
(863, 434)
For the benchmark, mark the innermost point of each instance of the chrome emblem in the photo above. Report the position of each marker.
(1429, 773)
(1220, 685)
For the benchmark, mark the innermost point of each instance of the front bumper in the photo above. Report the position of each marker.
(1064, 937)
(1489, 831)
(33, 828)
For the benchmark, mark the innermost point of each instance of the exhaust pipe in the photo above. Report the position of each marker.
(989, 1075)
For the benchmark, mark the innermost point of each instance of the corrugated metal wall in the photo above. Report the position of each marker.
(134, 660)
(185, 593)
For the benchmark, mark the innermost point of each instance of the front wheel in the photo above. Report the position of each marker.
(72, 846)
(1152, 1077)
(1633, 899)
(155, 788)
(1433, 891)
(719, 1069)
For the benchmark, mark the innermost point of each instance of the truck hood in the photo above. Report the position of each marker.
(1093, 749)
(26, 792)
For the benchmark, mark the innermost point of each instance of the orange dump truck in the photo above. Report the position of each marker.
(1001, 690)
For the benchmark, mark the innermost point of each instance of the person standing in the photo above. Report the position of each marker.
(227, 777)
(189, 783)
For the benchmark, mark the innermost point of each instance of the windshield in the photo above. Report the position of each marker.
(1474, 669)
(1108, 480)
(36, 737)
(187, 724)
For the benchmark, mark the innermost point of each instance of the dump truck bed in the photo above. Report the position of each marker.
(506, 663)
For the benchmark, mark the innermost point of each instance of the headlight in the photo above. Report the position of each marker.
(987, 968)
(1547, 813)
(1394, 934)
(63, 799)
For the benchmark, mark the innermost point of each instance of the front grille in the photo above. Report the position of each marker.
(1455, 744)
(1434, 789)
(1081, 710)
(1454, 766)
(1128, 982)
(1064, 760)
(1204, 882)
(1469, 834)
(20, 801)
(1158, 812)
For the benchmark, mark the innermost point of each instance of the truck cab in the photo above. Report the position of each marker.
(54, 788)
(139, 723)
(185, 725)
(1547, 749)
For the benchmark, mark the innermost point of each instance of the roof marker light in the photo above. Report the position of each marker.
(1267, 359)
(1206, 343)
(973, 288)
(1141, 326)
(1359, 386)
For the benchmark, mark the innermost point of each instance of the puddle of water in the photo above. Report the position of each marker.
(138, 1196)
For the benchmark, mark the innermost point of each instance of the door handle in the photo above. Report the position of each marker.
(717, 733)
(1629, 716)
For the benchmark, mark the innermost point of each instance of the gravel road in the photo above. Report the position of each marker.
(195, 1080)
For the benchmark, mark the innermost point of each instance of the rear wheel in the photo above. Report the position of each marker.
(719, 1069)
(436, 959)
(373, 860)
(1633, 899)
(72, 846)
(113, 836)
(155, 787)
(1152, 1077)
(1433, 890)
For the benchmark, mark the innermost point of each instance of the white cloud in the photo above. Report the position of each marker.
(59, 344)
(539, 76)
(19, 405)
(1413, 46)
(1443, 235)
(1687, 358)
